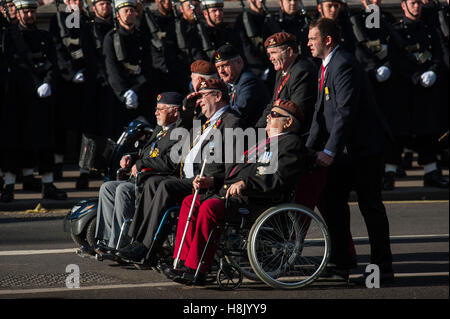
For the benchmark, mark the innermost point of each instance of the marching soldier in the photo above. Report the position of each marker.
(417, 58)
(217, 32)
(98, 97)
(27, 117)
(337, 10)
(128, 62)
(66, 29)
(293, 19)
(250, 25)
(7, 16)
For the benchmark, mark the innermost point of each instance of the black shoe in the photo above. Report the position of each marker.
(435, 179)
(7, 194)
(169, 271)
(83, 181)
(49, 191)
(389, 181)
(134, 252)
(31, 183)
(400, 172)
(188, 278)
(407, 160)
(57, 171)
(333, 273)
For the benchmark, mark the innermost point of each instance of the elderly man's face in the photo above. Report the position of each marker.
(281, 57)
(277, 121)
(165, 114)
(208, 102)
(229, 70)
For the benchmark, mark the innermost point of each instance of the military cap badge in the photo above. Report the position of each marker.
(217, 56)
(203, 85)
(272, 42)
(159, 97)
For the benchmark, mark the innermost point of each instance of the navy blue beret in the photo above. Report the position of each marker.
(173, 98)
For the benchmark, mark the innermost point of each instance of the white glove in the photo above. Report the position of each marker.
(78, 78)
(131, 99)
(383, 73)
(44, 90)
(427, 79)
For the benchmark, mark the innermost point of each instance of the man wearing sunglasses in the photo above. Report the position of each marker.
(264, 177)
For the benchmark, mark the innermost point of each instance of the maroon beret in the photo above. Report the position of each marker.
(203, 67)
(290, 107)
(280, 38)
(212, 84)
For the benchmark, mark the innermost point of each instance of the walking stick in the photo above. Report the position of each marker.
(176, 261)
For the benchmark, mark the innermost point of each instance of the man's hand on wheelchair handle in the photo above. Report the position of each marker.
(236, 189)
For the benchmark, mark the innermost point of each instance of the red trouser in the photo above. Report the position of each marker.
(309, 193)
(205, 217)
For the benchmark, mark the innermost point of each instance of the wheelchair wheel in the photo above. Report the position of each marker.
(229, 277)
(289, 246)
(236, 244)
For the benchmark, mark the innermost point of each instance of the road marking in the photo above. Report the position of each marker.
(10, 292)
(73, 250)
(408, 202)
(36, 252)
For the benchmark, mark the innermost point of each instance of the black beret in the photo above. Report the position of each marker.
(171, 98)
(225, 52)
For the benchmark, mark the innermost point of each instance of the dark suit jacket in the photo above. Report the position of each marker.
(250, 96)
(155, 155)
(348, 117)
(300, 89)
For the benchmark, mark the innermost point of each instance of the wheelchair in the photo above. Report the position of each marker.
(286, 247)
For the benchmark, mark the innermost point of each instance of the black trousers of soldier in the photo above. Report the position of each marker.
(15, 160)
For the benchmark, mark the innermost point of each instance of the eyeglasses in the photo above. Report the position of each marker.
(274, 115)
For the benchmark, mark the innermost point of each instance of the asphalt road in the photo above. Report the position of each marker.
(34, 254)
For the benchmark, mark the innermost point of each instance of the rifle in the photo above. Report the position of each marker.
(153, 28)
(181, 42)
(304, 13)
(250, 29)
(206, 43)
(117, 42)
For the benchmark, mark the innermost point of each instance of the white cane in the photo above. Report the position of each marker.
(176, 261)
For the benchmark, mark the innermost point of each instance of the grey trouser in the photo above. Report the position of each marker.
(116, 204)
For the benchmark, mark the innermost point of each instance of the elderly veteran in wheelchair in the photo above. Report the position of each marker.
(264, 178)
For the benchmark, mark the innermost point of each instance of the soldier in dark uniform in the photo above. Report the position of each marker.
(128, 62)
(248, 94)
(27, 117)
(417, 59)
(6, 18)
(293, 19)
(218, 33)
(337, 10)
(250, 25)
(117, 198)
(98, 96)
(66, 29)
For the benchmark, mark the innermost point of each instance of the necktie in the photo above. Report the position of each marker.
(322, 76)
